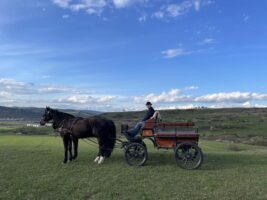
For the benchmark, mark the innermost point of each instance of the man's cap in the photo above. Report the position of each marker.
(148, 103)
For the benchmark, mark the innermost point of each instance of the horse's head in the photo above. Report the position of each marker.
(47, 116)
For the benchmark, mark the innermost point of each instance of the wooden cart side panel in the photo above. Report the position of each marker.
(172, 141)
(166, 142)
(147, 133)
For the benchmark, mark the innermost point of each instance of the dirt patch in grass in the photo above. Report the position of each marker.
(252, 140)
(235, 147)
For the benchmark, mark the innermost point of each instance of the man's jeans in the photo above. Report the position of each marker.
(134, 131)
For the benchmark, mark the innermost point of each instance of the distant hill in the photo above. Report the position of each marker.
(34, 114)
(233, 124)
(247, 125)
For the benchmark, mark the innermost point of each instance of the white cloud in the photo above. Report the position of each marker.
(175, 10)
(19, 93)
(173, 97)
(164, 10)
(105, 99)
(181, 107)
(165, 97)
(89, 6)
(86, 99)
(122, 3)
(176, 52)
(197, 4)
(171, 53)
(79, 99)
(94, 6)
(192, 88)
(158, 15)
(65, 16)
(127, 3)
(260, 106)
(236, 97)
(247, 104)
(11, 83)
(51, 89)
(15, 87)
(62, 3)
(245, 18)
(142, 18)
(46, 76)
(207, 41)
(4, 94)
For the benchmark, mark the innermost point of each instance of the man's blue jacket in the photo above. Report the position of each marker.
(149, 114)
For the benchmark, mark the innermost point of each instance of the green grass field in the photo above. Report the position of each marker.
(30, 169)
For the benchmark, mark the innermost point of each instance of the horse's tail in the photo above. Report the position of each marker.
(111, 138)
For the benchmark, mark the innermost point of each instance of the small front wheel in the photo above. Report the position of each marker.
(188, 156)
(136, 154)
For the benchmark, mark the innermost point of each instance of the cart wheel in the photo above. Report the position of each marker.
(136, 154)
(124, 146)
(188, 156)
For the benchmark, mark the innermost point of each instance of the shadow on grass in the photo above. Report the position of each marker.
(212, 161)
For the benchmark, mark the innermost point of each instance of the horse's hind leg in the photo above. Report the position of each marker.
(70, 149)
(66, 144)
(100, 156)
(75, 144)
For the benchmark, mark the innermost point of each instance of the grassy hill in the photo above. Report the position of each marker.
(30, 169)
(248, 125)
(34, 114)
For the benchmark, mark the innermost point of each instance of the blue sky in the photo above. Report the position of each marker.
(114, 55)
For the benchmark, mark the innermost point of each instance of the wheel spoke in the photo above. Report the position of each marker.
(188, 156)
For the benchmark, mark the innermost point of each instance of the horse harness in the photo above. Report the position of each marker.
(67, 130)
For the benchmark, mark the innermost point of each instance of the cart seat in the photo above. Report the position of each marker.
(152, 122)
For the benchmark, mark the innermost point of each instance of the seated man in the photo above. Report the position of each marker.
(134, 131)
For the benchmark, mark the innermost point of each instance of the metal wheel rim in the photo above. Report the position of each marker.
(188, 156)
(136, 154)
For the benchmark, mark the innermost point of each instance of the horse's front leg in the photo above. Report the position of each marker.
(75, 144)
(66, 144)
(70, 149)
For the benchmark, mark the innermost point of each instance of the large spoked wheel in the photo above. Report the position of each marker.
(136, 154)
(124, 146)
(188, 156)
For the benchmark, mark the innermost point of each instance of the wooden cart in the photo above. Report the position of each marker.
(181, 137)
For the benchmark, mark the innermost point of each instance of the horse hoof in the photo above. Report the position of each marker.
(97, 159)
(101, 160)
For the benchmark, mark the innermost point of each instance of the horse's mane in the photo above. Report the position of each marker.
(61, 114)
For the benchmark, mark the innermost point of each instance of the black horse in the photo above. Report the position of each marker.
(72, 128)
